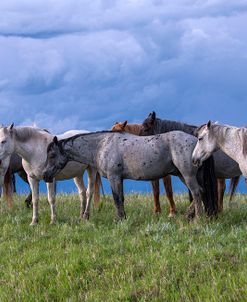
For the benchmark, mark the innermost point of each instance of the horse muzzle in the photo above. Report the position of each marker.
(196, 162)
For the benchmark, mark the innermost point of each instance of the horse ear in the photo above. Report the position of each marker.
(209, 124)
(124, 124)
(152, 115)
(55, 141)
(10, 127)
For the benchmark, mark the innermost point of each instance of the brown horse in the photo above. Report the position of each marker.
(15, 166)
(221, 185)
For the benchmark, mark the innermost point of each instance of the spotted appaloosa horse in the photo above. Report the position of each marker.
(119, 156)
(135, 129)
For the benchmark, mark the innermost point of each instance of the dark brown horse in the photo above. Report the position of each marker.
(15, 166)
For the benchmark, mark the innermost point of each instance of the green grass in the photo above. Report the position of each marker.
(144, 258)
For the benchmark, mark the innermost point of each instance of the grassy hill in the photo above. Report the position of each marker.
(144, 258)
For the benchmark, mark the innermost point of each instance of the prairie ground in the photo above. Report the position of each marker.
(147, 257)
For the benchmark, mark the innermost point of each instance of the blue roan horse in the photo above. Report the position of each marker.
(119, 156)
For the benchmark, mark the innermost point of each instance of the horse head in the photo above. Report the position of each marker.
(206, 144)
(6, 149)
(56, 160)
(118, 126)
(147, 127)
(6, 141)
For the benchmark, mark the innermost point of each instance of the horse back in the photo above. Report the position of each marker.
(135, 157)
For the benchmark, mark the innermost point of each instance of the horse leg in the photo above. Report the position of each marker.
(7, 188)
(52, 200)
(192, 183)
(156, 193)
(118, 196)
(28, 200)
(190, 196)
(97, 185)
(23, 176)
(169, 193)
(221, 186)
(82, 193)
(233, 187)
(90, 190)
(34, 185)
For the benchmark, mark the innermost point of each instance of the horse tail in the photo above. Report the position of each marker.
(233, 186)
(97, 186)
(209, 185)
(8, 189)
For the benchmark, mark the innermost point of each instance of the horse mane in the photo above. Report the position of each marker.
(240, 134)
(65, 140)
(25, 132)
(162, 126)
(198, 129)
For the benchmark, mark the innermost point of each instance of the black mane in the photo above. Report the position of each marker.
(162, 126)
(72, 138)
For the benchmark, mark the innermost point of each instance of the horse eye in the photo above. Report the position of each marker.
(200, 138)
(3, 142)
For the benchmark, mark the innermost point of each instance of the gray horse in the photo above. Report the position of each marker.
(31, 143)
(119, 156)
(213, 137)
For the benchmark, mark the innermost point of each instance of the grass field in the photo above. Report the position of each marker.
(144, 258)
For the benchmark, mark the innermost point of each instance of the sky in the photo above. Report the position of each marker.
(70, 64)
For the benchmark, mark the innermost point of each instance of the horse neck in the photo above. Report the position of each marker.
(82, 149)
(32, 147)
(163, 126)
(133, 128)
(229, 140)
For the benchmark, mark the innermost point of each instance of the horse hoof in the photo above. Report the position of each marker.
(29, 204)
(85, 216)
(157, 211)
(33, 223)
(53, 222)
(172, 215)
(190, 215)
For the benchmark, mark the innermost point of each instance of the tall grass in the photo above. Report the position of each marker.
(147, 257)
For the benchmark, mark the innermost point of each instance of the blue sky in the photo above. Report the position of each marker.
(86, 64)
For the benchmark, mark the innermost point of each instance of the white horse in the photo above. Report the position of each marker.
(231, 140)
(31, 144)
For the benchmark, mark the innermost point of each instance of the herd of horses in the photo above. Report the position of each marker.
(202, 157)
